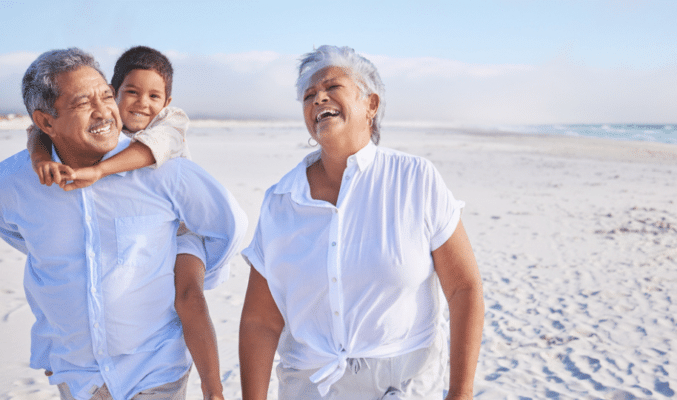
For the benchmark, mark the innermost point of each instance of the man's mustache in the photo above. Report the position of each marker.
(99, 124)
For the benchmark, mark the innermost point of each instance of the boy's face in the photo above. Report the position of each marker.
(140, 98)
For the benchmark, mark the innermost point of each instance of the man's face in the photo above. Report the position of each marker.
(88, 122)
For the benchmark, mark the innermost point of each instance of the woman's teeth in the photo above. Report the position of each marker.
(325, 114)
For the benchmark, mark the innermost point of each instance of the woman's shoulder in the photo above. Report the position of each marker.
(389, 157)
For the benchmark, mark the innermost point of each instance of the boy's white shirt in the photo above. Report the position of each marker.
(165, 135)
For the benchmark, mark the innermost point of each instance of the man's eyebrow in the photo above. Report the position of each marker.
(78, 97)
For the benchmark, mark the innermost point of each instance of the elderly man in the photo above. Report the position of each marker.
(99, 273)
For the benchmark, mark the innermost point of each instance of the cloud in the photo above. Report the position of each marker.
(12, 68)
(261, 85)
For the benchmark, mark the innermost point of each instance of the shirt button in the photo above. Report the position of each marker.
(351, 160)
(96, 325)
(333, 243)
(88, 218)
(101, 352)
(347, 178)
(335, 210)
(333, 280)
(107, 369)
(91, 254)
(93, 290)
(336, 313)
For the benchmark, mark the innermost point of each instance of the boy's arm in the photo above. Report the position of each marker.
(136, 155)
(40, 148)
(163, 138)
(198, 330)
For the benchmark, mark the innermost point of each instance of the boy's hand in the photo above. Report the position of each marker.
(53, 172)
(83, 177)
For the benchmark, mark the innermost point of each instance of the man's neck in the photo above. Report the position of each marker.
(76, 161)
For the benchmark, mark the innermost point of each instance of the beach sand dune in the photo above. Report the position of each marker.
(576, 240)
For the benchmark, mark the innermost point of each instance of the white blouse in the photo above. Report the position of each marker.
(356, 280)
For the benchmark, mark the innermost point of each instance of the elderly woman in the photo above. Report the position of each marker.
(349, 255)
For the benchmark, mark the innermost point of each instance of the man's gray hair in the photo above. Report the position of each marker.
(364, 74)
(39, 87)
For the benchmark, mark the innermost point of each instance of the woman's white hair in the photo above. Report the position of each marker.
(362, 70)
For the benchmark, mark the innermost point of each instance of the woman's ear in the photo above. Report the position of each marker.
(43, 121)
(169, 100)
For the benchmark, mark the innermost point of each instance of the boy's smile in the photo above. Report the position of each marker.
(140, 98)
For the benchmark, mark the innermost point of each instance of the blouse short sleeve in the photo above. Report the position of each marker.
(443, 210)
(253, 254)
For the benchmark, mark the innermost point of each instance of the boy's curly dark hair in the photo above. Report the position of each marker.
(142, 57)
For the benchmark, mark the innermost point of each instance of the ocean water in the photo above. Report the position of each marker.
(632, 132)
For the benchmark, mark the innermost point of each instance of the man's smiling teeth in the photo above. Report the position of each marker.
(325, 114)
(104, 129)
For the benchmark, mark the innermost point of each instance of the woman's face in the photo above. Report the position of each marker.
(333, 107)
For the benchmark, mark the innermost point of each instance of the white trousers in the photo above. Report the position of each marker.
(169, 391)
(418, 375)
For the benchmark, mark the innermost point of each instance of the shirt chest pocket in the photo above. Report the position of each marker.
(140, 238)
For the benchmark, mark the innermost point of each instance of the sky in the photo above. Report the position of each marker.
(465, 62)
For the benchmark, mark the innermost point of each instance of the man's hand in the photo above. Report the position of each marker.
(211, 396)
(53, 172)
(83, 177)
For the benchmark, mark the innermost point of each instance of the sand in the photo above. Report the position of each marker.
(576, 240)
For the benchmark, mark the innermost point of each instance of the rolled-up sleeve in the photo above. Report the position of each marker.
(190, 243)
(165, 136)
(210, 211)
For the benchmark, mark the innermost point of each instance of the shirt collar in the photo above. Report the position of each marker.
(365, 156)
(296, 179)
(123, 142)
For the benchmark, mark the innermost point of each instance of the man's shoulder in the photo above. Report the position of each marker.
(15, 165)
(172, 170)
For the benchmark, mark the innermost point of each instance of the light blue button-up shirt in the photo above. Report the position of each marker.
(99, 273)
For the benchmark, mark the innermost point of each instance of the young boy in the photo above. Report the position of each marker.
(142, 81)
